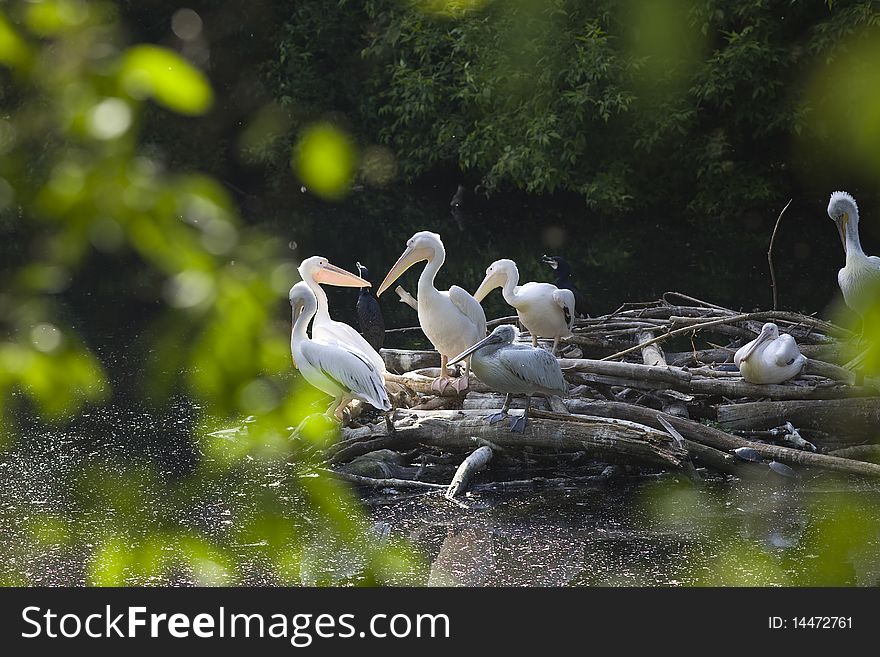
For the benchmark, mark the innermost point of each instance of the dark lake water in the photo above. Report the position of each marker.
(624, 532)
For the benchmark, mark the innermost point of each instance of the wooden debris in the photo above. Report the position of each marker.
(476, 461)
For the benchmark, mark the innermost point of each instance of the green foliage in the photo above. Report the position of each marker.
(79, 194)
(629, 105)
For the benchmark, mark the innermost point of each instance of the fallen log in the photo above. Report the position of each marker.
(611, 440)
(858, 417)
(475, 462)
(719, 439)
(646, 377)
(404, 360)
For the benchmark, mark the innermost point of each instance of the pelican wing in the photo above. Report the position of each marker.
(565, 300)
(785, 351)
(350, 370)
(536, 367)
(469, 307)
(343, 335)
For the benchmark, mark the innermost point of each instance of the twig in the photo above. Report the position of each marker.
(684, 329)
(770, 254)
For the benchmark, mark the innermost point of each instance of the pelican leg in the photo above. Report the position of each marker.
(555, 346)
(439, 384)
(389, 422)
(518, 424)
(534, 341)
(497, 417)
(461, 383)
(338, 407)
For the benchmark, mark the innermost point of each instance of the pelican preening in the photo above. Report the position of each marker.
(369, 313)
(859, 279)
(769, 358)
(515, 369)
(316, 270)
(563, 281)
(452, 320)
(341, 372)
(544, 309)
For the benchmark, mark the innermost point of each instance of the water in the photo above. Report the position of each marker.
(123, 473)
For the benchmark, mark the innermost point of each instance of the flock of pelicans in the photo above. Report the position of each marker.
(345, 364)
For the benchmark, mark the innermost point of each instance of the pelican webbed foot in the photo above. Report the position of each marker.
(518, 423)
(461, 384)
(496, 417)
(439, 384)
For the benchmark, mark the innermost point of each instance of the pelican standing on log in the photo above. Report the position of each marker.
(452, 320)
(316, 270)
(859, 279)
(769, 358)
(341, 372)
(544, 309)
(515, 369)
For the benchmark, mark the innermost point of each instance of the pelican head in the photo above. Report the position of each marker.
(424, 245)
(301, 298)
(498, 273)
(843, 210)
(502, 335)
(768, 332)
(321, 271)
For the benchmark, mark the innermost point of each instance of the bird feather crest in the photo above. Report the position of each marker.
(842, 196)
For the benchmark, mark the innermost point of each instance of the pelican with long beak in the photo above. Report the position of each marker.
(317, 270)
(769, 358)
(514, 369)
(859, 279)
(343, 373)
(452, 320)
(544, 309)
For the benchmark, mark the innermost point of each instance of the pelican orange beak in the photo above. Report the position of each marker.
(409, 258)
(489, 339)
(489, 283)
(333, 275)
(763, 336)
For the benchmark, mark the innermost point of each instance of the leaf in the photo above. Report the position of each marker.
(151, 71)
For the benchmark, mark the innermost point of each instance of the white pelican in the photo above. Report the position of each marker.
(451, 320)
(343, 373)
(317, 270)
(544, 309)
(859, 279)
(515, 369)
(769, 358)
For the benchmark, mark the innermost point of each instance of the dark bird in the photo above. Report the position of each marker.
(369, 313)
(457, 199)
(563, 281)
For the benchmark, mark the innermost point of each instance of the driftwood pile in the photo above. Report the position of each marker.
(653, 390)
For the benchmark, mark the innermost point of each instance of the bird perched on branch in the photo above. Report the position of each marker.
(340, 371)
(369, 313)
(769, 358)
(859, 279)
(514, 369)
(544, 309)
(452, 319)
(563, 281)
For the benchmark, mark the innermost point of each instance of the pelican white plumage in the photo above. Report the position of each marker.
(515, 369)
(769, 358)
(316, 270)
(544, 309)
(452, 320)
(341, 372)
(859, 279)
